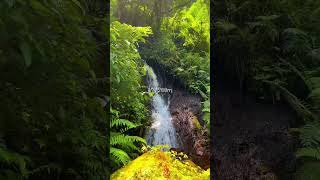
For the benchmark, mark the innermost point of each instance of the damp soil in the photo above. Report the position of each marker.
(251, 139)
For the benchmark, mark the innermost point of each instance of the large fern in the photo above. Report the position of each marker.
(123, 145)
(125, 141)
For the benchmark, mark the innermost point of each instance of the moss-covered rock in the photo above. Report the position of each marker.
(160, 165)
(196, 123)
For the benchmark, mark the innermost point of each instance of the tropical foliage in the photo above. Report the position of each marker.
(52, 120)
(129, 100)
(183, 48)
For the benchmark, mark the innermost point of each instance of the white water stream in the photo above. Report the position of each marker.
(162, 131)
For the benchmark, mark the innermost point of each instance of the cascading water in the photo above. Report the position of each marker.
(162, 131)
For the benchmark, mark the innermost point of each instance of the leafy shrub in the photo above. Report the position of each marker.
(183, 49)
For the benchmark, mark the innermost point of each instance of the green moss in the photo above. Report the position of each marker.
(160, 165)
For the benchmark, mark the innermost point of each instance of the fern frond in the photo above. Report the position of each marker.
(308, 153)
(119, 156)
(295, 102)
(310, 135)
(49, 168)
(123, 124)
(296, 41)
(122, 140)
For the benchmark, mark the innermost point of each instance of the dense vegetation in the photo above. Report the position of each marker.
(273, 49)
(172, 34)
(183, 48)
(129, 102)
(52, 62)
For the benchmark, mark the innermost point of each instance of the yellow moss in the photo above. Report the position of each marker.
(160, 166)
(264, 169)
(196, 122)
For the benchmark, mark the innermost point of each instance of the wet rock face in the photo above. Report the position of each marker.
(194, 139)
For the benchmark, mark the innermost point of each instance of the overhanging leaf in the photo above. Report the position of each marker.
(26, 52)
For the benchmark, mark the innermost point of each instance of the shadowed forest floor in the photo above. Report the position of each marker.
(251, 139)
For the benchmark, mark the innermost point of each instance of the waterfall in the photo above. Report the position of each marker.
(162, 131)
